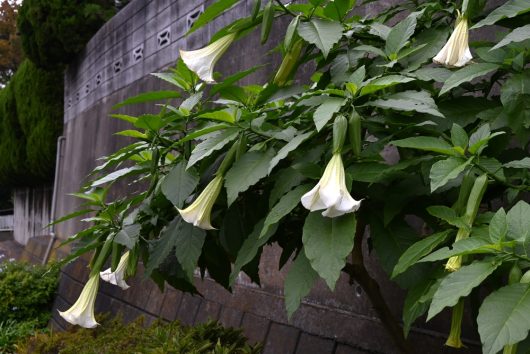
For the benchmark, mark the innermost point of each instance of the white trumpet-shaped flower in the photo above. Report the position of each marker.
(82, 312)
(198, 213)
(331, 193)
(455, 53)
(202, 61)
(118, 276)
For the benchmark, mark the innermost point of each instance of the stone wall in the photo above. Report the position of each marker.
(143, 38)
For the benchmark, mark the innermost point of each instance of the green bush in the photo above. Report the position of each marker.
(11, 332)
(54, 31)
(115, 337)
(26, 292)
(31, 110)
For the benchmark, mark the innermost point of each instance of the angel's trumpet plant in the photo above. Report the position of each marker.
(118, 276)
(202, 61)
(455, 52)
(198, 213)
(331, 193)
(82, 311)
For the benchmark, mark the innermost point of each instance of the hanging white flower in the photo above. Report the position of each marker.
(198, 213)
(331, 193)
(118, 276)
(82, 311)
(456, 53)
(202, 61)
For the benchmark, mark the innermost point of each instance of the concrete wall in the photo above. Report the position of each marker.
(31, 210)
(108, 72)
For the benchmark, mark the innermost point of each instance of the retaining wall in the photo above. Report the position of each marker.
(144, 38)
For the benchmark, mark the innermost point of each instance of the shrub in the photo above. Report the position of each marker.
(54, 31)
(115, 337)
(26, 292)
(12, 331)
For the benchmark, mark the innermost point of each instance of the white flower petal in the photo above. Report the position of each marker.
(198, 213)
(455, 52)
(82, 311)
(117, 277)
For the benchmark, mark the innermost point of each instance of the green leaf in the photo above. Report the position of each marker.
(508, 10)
(503, 317)
(286, 204)
(148, 97)
(326, 111)
(384, 82)
(400, 34)
(151, 122)
(114, 176)
(222, 116)
(159, 249)
(416, 303)
(179, 183)
(517, 35)
(201, 132)
(250, 249)
(211, 12)
(132, 134)
(518, 219)
(188, 247)
(467, 74)
(426, 143)
(298, 282)
(445, 170)
(337, 9)
(323, 34)
(459, 136)
(435, 74)
(419, 101)
(287, 148)
(524, 163)
(418, 250)
(327, 243)
(447, 214)
(459, 284)
(246, 172)
(498, 227)
(214, 142)
(128, 235)
(471, 245)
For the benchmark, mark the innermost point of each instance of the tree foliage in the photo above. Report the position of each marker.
(10, 46)
(459, 137)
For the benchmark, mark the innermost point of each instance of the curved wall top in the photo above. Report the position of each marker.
(142, 38)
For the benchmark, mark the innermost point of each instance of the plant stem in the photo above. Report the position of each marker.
(358, 271)
(285, 8)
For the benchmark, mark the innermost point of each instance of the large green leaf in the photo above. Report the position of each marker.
(524, 163)
(400, 34)
(384, 82)
(472, 245)
(417, 303)
(159, 249)
(517, 35)
(459, 284)
(503, 317)
(148, 97)
(467, 74)
(179, 183)
(446, 214)
(287, 148)
(214, 142)
(128, 236)
(426, 143)
(418, 250)
(510, 9)
(211, 12)
(518, 219)
(435, 74)
(188, 246)
(326, 110)
(116, 175)
(286, 204)
(327, 243)
(250, 249)
(445, 170)
(246, 172)
(324, 34)
(298, 282)
(418, 101)
(498, 227)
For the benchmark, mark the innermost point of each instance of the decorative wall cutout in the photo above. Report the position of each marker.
(193, 16)
(77, 95)
(70, 102)
(98, 79)
(138, 53)
(117, 66)
(164, 37)
(87, 89)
